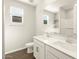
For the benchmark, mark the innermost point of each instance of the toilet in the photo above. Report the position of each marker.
(29, 47)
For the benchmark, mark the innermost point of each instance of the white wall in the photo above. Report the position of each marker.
(75, 19)
(17, 35)
(66, 22)
(39, 15)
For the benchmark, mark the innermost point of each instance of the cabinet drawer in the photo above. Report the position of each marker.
(57, 53)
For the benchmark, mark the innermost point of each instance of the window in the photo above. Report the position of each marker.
(16, 15)
(45, 19)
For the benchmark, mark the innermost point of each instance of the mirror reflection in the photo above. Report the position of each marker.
(62, 16)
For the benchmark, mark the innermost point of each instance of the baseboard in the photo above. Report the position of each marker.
(15, 50)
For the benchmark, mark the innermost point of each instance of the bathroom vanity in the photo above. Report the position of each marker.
(53, 48)
(55, 17)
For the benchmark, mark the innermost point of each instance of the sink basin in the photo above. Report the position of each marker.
(65, 45)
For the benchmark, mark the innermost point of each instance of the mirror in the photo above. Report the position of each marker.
(61, 15)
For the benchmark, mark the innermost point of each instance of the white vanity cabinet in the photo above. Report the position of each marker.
(45, 51)
(52, 53)
(38, 49)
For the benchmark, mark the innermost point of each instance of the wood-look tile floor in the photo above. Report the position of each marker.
(20, 55)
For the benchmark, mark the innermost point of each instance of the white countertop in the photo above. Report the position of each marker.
(70, 49)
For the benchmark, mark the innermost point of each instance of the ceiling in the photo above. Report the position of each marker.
(52, 5)
(56, 4)
(31, 2)
(53, 2)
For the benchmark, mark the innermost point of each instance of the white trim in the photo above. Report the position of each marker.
(15, 50)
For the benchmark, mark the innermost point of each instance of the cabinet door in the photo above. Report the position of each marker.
(38, 49)
(56, 53)
(50, 55)
(63, 56)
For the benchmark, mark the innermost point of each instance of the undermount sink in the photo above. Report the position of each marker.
(65, 45)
